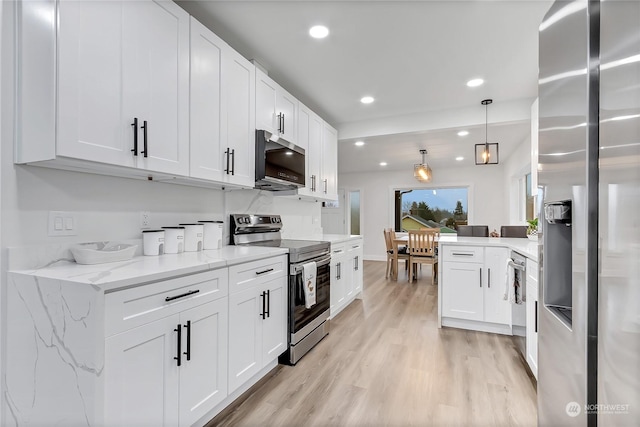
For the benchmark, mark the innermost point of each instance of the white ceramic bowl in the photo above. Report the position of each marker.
(101, 252)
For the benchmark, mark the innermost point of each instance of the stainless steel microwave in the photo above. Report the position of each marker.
(280, 164)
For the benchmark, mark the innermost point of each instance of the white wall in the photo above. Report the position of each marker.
(487, 204)
(516, 167)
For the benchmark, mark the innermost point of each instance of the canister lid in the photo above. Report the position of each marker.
(152, 231)
(190, 224)
(216, 222)
(182, 228)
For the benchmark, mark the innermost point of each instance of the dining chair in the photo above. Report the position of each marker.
(392, 259)
(473, 231)
(422, 251)
(513, 231)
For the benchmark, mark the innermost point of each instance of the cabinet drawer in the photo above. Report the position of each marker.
(532, 269)
(463, 253)
(137, 306)
(354, 245)
(338, 249)
(244, 276)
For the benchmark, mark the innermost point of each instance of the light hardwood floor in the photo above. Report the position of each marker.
(386, 363)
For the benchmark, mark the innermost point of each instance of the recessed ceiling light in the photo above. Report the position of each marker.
(463, 133)
(459, 158)
(289, 153)
(383, 163)
(367, 99)
(318, 31)
(359, 143)
(475, 82)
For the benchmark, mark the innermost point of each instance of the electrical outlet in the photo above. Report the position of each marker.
(62, 223)
(144, 219)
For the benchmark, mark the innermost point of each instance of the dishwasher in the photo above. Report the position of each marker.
(517, 269)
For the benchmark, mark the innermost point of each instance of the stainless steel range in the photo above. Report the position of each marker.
(307, 326)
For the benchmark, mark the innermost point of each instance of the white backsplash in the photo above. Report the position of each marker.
(299, 218)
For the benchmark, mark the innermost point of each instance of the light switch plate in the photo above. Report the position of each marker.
(63, 223)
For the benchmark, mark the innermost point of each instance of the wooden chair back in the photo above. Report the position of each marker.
(422, 242)
(387, 239)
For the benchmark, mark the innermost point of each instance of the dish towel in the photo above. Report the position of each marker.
(509, 291)
(309, 271)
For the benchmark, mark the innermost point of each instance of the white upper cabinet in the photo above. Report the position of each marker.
(91, 124)
(206, 103)
(123, 84)
(276, 109)
(222, 114)
(329, 162)
(310, 138)
(239, 122)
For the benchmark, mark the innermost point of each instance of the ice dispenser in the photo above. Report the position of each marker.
(558, 245)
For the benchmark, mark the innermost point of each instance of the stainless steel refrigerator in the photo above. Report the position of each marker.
(589, 185)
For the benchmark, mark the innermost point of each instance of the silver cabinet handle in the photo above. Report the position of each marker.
(480, 276)
(488, 277)
(461, 254)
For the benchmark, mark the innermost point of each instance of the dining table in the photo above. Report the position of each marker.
(404, 241)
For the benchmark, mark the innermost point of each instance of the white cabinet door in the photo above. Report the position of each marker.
(329, 189)
(203, 374)
(91, 125)
(266, 90)
(206, 103)
(245, 336)
(496, 308)
(310, 138)
(355, 254)
(274, 326)
(338, 288)
(156, 83)
(141, 375)
(239, 123)
(462, 295)
(286, 109)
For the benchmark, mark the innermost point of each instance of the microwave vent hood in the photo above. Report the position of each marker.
(280, 164)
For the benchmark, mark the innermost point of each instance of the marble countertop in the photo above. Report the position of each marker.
(144, 269)
(526, 247)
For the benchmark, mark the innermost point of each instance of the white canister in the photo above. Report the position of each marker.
(173, 240)
(212, 234)
(193, 234)
(153, 242)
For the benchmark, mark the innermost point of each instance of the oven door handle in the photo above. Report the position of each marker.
(296, 268)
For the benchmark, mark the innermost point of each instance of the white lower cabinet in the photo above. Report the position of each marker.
(473, 284)
(346, 274)
(532, 316)
(257, 318)
(170, 371)
(141, 376)
(159, 376)
(463, 297)
(337, 284)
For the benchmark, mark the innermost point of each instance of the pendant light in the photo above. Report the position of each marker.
(486, 154)
(422, 172)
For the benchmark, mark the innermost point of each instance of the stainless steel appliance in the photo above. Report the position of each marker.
(280, 165)
(518, 266)
(589, 178)
(307, 326)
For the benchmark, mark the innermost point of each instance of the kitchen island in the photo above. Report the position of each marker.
(476, 292)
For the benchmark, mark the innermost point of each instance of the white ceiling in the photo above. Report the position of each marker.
(412, 56)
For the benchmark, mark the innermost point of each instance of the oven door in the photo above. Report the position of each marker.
(301, 316)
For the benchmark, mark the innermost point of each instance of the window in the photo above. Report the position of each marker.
(529, 200)
(443, 208)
